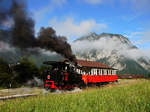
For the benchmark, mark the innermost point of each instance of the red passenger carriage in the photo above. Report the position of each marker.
(96, 72)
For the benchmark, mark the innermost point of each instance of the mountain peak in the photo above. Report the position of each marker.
(94, 36)
(111, 35)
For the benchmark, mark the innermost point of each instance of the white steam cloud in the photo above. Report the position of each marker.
(47, 52)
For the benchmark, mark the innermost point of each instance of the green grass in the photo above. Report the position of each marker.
(128, 97)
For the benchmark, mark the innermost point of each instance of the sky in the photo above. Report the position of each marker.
(76, 18)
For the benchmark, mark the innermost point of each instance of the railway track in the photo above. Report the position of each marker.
(17, 96)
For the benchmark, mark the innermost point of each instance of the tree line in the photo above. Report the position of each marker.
(18, 74)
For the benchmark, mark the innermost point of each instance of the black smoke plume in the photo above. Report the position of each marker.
(47, 39)
(23, 31)
(23, 28)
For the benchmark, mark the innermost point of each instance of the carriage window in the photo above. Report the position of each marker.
(100, 72)
(105, 72)
(92, 72)
(114, 71)
(97, 71)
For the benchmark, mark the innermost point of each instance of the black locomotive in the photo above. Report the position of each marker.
(62, 75)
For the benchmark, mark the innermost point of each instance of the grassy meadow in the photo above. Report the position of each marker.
(126, 96)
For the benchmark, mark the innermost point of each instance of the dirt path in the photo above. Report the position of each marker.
(20, 91)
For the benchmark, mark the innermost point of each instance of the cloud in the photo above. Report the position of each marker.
(8, 23)
(48, 53)
(94, 2)
(140, 6)
(130, 17)
(109, 45)
(70, 28)
(147, 52)
(6, 47)
(140, 38)
(53, 4)
(98, 2)
(146, 36)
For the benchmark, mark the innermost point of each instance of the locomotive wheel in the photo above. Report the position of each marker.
(47, 89)
(69, 87)
(98, 84)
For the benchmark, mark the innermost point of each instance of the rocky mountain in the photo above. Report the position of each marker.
(113, 49)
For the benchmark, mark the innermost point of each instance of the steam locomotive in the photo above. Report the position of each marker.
(67, 75)
(62, 75)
